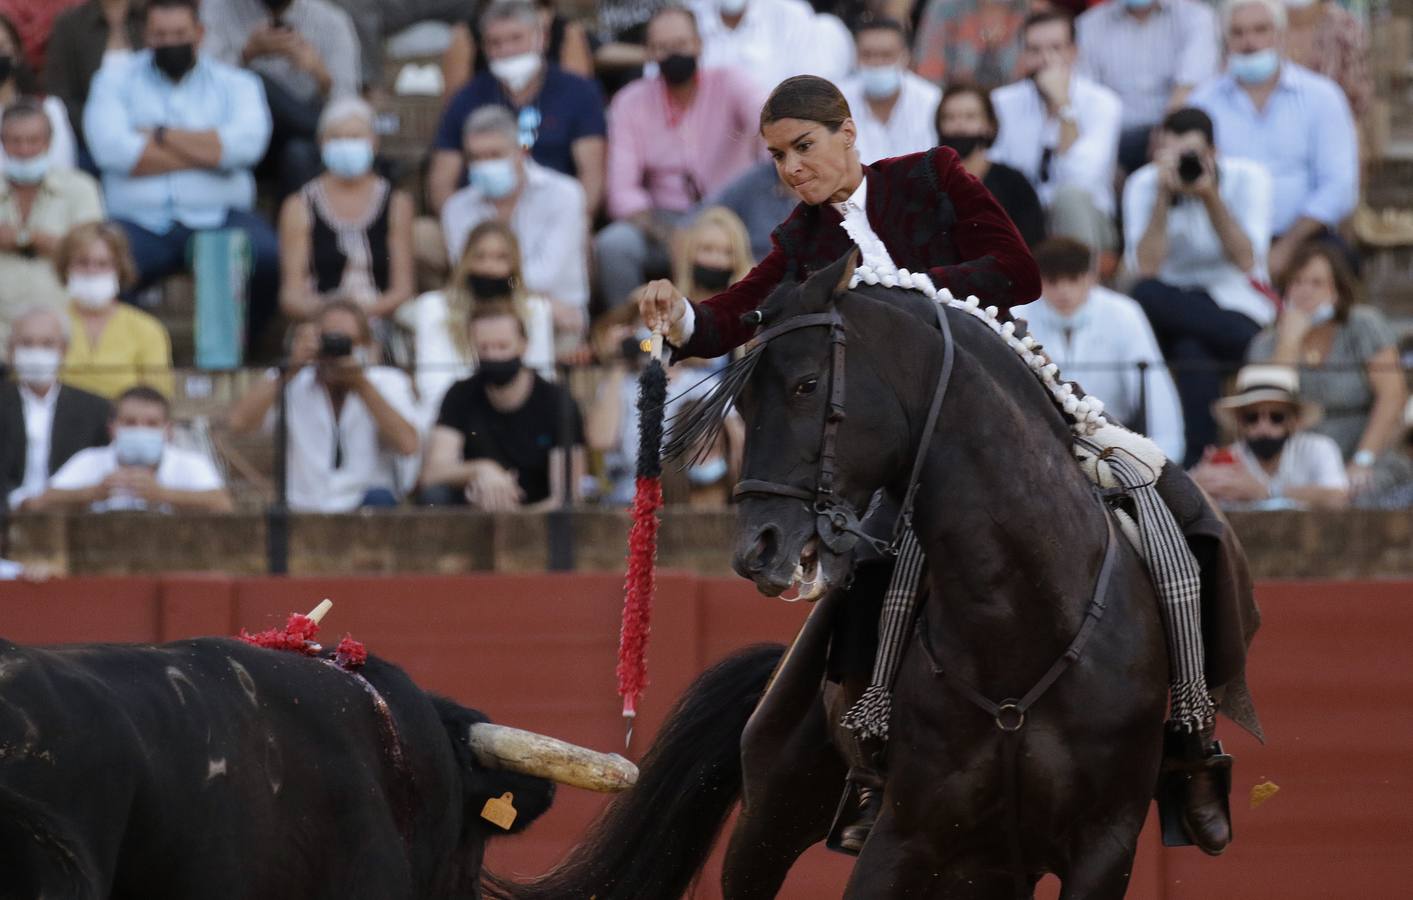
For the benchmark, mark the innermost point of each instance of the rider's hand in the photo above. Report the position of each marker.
(662, 307)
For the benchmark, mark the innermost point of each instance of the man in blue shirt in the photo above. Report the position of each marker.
(175, 135)
(1291, 120)
(560, 116)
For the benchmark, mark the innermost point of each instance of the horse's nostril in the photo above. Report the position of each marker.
(763, 551)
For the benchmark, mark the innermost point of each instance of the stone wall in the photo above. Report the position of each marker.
(1351, 544)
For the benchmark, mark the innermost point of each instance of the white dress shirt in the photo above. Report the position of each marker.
(1196, 259)
(39, 427)
(774, 40)
(1027, 130)
(314, 484)
(550, 225)
(909, 127)
(1100, 346)
(179, 470)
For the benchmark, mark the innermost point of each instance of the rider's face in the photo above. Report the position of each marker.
(817, 164)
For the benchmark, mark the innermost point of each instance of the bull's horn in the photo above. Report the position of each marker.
(528, 753)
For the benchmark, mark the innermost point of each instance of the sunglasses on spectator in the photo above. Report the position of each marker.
(528, 124)
(1274, 416)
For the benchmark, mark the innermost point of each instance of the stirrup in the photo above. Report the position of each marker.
(850, 802)
(1183, 755)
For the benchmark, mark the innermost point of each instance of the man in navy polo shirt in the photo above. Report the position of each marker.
(560, 116)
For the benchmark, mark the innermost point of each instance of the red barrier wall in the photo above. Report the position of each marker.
(1328, 670)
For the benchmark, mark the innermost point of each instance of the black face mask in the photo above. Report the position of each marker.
(631, 348)
(499, 372)
(483, 286)
(7, 67)
(678, 68)
(277, 6)
(174, 60)
(964, 144)
(1267, 448)
(712, 278)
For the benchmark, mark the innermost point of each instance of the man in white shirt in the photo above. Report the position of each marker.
(1276, 461)
(1101, 339)
(544, 208)
(351, 438)
(1197, 226)
(770, 40)
(140, 469)
(892, 108)
(1061, 130)
(43, 423)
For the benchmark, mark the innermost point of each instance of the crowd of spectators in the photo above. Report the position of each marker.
(1183, 170)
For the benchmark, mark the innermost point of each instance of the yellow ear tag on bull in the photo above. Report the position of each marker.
(500, 811)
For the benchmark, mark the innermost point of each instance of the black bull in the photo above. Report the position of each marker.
(211, 768)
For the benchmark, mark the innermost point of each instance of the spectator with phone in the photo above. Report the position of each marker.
(1276, 460)
(140, 469)
(1197, 225)
(352, 438)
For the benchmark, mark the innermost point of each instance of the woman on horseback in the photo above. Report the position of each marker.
(923, 210)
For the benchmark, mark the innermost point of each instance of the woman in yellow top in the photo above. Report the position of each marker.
(114, 345)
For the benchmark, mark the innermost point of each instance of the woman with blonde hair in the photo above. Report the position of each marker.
(713, 253)
(490, 268)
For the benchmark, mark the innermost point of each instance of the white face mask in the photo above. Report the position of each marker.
(93, 291)
(1322, 313)
(1299, 4)
(37, 366)
(518, 70)
(136, 445)
(731, 7)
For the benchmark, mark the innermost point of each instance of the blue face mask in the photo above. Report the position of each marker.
(348, 157)
(495, 178)
(880, 81)
(1139, 4)
(139, 446)
(1254, 68)
(27, 171)
(707, 473)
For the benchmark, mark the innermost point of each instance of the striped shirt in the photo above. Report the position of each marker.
(1144, 61)
(230, 23)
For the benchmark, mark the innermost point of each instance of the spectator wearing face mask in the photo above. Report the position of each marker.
(347, 233)
(1152, 53)
(566, 43)
(489, 271)
(713, 254)
(893, 108)
(966, 122)
(558, 116)
(43, 422)
(1346, 354)
(771, 40)
(1061, 129)
(501, 435)
(1276, 460)
(673, 138)
(353, 440)
(305, 53)
(176, 134)
(1294, 122)
(543, 208)
(1197, 226)
(140, 469)
(38, 205)
(114, 345)
(16, 82)
(84, 38)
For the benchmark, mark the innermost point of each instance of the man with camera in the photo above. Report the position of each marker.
(139, 469)
(351, 442)
(1197, 228)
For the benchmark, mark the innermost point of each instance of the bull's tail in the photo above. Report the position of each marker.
(40, 857)
(652, 840)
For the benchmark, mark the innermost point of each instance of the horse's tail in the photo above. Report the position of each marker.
(651, 841)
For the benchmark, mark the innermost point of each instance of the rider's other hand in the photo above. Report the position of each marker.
(662, 307)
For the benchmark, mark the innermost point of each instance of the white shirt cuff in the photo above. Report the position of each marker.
(682, 333)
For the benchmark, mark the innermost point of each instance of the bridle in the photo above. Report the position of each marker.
(837, 522)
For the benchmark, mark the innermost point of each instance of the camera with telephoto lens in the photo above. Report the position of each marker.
(335, 346)
(1189, 167)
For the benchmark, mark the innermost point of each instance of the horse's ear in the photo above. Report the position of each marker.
(846, 266)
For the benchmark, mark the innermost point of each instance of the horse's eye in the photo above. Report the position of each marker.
(805, 388)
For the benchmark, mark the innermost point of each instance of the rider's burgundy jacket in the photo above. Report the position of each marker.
(930, 213)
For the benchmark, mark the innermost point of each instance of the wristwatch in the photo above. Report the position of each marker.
(159, 135)
(24, 242)
(1363, 459)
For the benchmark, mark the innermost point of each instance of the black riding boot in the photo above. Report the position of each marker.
(868, 786)
(1205, 776)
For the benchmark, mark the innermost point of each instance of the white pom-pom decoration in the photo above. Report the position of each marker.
(1028, 342)
(1049, 371)
(1069, 404)
(992, 312)
(1008, 329)
(973, 303)
(1095, 404)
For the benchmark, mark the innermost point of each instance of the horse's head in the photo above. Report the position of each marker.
(825, 428)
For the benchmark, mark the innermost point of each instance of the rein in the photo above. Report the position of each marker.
(837, 522)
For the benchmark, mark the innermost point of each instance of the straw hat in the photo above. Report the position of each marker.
(1266, 384)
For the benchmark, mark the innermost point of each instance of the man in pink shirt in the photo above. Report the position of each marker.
(674, 137)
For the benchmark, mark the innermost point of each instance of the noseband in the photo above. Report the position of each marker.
(837, 523)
